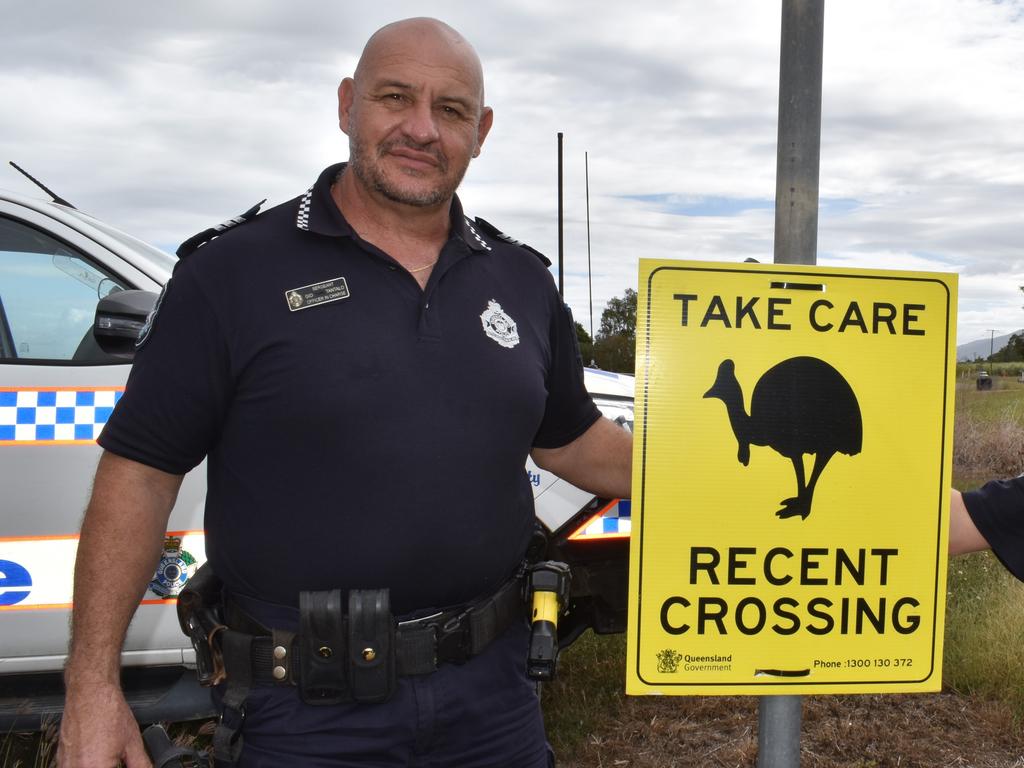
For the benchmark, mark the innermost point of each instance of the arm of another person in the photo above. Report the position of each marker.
(964, 536)
(599, 461)
(124, 525)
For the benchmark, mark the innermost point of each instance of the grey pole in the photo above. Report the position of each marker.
(796, 242)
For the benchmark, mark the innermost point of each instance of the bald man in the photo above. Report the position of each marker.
(366, 369)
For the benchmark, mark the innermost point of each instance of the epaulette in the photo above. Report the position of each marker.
(193, 244)
(497, 234)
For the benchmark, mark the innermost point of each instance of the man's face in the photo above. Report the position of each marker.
(415, 118)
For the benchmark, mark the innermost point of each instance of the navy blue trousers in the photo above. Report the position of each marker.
(481, 714)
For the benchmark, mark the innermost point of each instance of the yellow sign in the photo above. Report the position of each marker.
(793, 444)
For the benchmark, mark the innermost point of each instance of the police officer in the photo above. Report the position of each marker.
(991, 516)
(366, 369)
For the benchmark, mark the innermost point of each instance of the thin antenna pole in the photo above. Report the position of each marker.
(561, 259)
(590, 279)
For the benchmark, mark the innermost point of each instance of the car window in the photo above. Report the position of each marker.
(48, 296)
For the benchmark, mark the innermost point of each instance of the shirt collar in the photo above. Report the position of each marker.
(318, 213)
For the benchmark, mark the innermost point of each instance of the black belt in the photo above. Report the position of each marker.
(421, 644)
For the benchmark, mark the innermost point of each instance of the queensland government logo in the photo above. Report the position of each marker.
(175, 568)
(499, 326)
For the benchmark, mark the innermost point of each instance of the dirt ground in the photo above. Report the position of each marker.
(892, 731)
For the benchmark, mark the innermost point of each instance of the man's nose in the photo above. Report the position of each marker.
(421, 123)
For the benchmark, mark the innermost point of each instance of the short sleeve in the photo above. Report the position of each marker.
(569, 411)
(178, 389)
(997, 509)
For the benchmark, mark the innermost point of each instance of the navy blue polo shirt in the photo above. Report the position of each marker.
(997, 509)
(361, 432)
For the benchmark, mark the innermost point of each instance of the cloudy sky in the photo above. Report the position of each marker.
(163, 118)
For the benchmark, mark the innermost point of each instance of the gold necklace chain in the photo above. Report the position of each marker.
(420, 269)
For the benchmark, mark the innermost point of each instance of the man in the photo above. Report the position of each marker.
(991, 516)
(366, 370)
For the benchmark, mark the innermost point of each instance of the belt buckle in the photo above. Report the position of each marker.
(452, 640)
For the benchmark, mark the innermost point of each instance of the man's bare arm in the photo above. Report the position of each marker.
(124, 524)
(963, 535)
(599, 461)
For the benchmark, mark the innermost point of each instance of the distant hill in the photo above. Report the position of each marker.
(980, 348)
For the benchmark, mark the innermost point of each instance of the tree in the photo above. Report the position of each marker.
(586, 344)
(615, 345)
(619, 317)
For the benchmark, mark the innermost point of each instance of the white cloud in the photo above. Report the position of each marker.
(165, 118)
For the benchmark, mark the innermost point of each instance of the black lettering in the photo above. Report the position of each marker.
(844, 616)
(883, 570)
(665, 607)
(913, 622)
(705, 614)
(775, 309)
(843, 561)
(909, 317)
(768, 573)
(878, 318)
(779, 607)
(761, 615)
(853, 317)
(746, 310)
(685, 298)
(864, 611)
(807, 565)
(812, 609)
(716, 311)
(710, 565)
(814, 315)
(736, 564)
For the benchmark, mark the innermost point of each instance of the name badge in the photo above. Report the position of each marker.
(316, 294)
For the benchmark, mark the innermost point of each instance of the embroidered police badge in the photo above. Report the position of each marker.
(176, 567)
(499, 326)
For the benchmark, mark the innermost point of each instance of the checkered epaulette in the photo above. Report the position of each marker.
(497, 234)
(193, 244)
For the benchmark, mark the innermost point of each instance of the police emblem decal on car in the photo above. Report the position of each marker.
(499, 326)
(175, 568)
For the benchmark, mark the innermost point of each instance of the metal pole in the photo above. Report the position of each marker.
(590, 280)
(561, 260)
(796, 242)
(799, 144)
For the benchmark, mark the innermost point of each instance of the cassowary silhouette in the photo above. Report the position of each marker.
(802, 405)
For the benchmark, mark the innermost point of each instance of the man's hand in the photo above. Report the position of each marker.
(98, 729)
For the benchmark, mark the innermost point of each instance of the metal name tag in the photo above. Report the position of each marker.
(316, 294)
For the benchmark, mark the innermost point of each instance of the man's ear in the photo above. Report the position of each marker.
(484, 127)
(346, 97)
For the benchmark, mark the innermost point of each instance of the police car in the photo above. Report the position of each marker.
(74, 294)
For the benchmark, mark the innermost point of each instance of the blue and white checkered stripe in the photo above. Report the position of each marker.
(615, 521)
(50, 416)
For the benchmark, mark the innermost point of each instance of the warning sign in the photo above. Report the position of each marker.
(791, 471)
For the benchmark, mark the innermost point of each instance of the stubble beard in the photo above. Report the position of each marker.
(364, 164)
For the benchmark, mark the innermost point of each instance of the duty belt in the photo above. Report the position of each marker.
(420, 645)
(337, 655)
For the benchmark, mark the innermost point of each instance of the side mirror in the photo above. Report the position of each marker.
(120, 318)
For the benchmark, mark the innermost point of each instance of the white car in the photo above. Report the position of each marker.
(67, 279)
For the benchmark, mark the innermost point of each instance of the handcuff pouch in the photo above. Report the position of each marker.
(323, 665)
(371, 645)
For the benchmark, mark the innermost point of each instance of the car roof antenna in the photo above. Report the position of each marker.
(56, 198)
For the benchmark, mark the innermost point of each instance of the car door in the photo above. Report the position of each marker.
(57, 388)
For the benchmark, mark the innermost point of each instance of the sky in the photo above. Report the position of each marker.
(165, 118)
